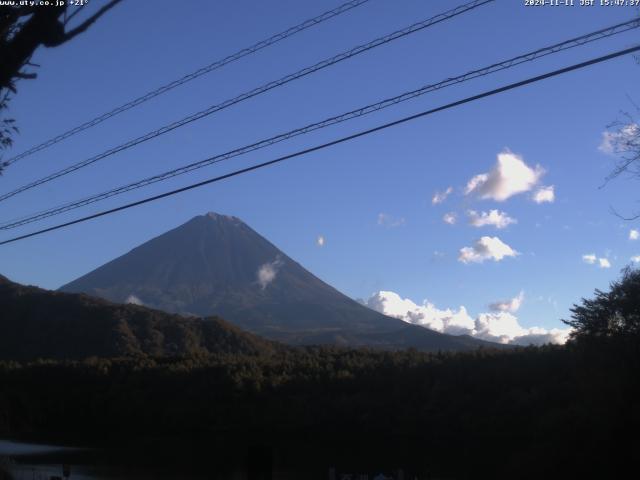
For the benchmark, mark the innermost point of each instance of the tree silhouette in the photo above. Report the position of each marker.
(4, 475)
(622, 139)
(23, 29)
(615, 313)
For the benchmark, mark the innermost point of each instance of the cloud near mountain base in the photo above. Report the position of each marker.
(500, 326)
(267, 273)
(134, 300)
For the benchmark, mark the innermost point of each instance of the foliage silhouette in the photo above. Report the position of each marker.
(615, 313)
(23, 29)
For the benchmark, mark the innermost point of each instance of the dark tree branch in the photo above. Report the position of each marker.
(89, 21)
(75, 12)
(42, 27)
(624, 142)
(628, 219)
(23, 30)
(26, 76)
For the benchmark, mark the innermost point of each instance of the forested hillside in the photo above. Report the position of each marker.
(546, 410)
(36, 323)
(539, 412)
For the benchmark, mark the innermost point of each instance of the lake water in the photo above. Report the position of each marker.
(31, 461)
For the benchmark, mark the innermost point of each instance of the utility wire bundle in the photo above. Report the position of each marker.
(343, 117)
(416, 27)
(374, 107)
(278, 37)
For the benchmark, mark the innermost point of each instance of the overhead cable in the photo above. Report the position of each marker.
(338, 141)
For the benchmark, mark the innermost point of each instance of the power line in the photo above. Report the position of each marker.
(257, 91)
(362, 133)
(527, 57)
(345, 7)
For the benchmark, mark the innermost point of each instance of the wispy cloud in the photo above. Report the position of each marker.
(613, 141)
(386, 220)
(544, 195)
(132, 299)
(604, 263)
(320, 241)
(450, 218)
(634, 234)
(510, 176)
(494, 218)
(512, 305)
(486, 248)
(268, 272)
(592, 259)
(440, 197)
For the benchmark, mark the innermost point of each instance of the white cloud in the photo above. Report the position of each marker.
(512, 305)
(607, 145)
(455, 322)
(486, 248)
(501, 327)
(613, 141)
(510, 176)
(635, 259)
(634, 234)
(320, 241)
(450, 218)
(134, 300)
(440, 197)
(504, 327)
(592, 259)
(386, 220)
(267, 273)
(494, 218)
(604, 263)
(540, 336)
(544, 194)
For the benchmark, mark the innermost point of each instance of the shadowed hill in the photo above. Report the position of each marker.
(36, 323)
(217, 265)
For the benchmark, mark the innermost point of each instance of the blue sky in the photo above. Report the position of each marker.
(340, 193)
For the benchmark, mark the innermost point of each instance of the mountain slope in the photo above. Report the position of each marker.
(37, 323)
(217, 265)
